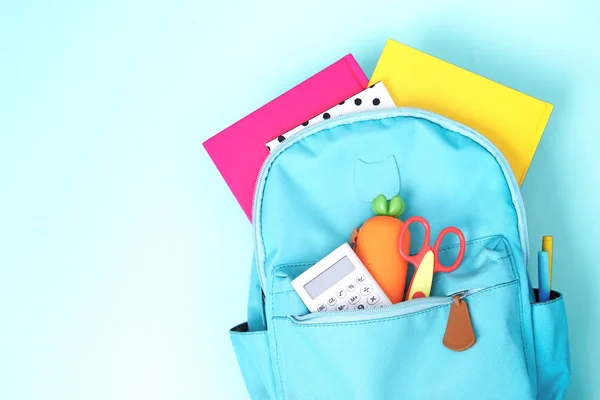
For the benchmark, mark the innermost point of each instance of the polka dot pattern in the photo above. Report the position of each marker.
(374, 97)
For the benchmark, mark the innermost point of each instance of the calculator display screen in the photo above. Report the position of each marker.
(329, 277)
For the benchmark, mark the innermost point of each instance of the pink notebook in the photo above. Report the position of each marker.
(239, 151)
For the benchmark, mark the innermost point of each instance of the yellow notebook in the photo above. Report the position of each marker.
(512, 120)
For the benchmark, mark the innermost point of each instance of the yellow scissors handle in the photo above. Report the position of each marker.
(423, 278)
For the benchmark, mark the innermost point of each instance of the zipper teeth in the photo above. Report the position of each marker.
(397, 112)
(403, 308)
(432, 301)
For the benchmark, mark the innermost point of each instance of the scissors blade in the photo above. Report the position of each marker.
(421, 282)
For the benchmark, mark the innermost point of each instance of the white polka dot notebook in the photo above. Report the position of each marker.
(374, 97)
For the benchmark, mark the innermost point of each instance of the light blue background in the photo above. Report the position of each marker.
(123, 257)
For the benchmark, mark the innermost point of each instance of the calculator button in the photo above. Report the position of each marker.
(342, 307)
(331, 301)
(360, 306)
(354, 298)
(373, 299)
(366, 290)
(361, 279)
(322, 308)
(341, 294)
(351, 287)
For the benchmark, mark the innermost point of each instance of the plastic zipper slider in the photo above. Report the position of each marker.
(459, 334)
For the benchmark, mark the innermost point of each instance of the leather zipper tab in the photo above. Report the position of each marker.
(459, 334)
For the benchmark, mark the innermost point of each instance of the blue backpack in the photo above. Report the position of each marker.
(315, 188)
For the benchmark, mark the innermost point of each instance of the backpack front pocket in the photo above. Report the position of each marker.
(397, 352)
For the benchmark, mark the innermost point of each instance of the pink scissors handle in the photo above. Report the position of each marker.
(461, 249)
(416, 259)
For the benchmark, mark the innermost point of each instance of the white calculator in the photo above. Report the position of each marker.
(339, 282)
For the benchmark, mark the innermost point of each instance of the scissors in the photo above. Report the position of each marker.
(426, 261)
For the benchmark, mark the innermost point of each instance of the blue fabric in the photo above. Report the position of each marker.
(387, 182)
(256, 305)
(252, 352)
(313, 191)
(551, 347)
(403, 357)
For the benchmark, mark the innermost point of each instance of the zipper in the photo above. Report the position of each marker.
(363, 116)
(458, 336)
(396, 310)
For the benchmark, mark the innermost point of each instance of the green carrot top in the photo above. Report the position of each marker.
(394, 208)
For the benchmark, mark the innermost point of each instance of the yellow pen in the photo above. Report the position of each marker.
(547, 246)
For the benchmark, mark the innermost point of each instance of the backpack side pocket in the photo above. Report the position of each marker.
(551, 347)
(252, 352)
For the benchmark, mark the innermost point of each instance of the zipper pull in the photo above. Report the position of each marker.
(459, 334)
